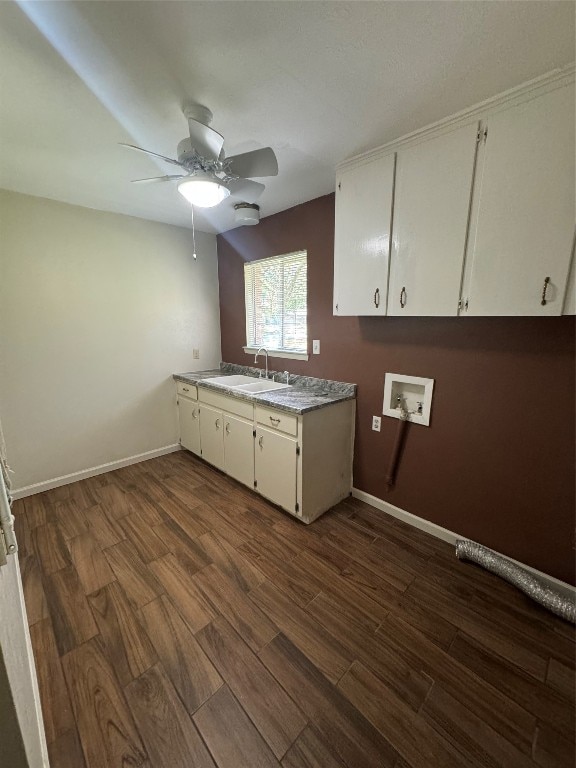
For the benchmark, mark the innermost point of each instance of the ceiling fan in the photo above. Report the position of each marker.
(208, 176)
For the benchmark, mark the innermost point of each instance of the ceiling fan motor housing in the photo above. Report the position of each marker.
(186, 151)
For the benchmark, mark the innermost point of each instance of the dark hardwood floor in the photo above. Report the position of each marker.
(180, 621)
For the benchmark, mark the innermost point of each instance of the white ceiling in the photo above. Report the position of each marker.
(317, 81)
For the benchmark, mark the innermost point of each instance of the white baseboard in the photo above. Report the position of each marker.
(451, 537)
(56, 482)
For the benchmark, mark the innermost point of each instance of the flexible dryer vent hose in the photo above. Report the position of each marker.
(562, 606)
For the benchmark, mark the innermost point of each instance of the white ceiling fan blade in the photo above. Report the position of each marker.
(259, 162)
(206, 141)
(155, 179)
(246, 190)
(154, 154)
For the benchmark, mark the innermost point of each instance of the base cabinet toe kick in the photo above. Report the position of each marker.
(300, 462)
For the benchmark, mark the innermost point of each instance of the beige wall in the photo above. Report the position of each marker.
(97, 310)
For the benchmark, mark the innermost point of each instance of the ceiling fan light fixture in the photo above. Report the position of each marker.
(203, 190)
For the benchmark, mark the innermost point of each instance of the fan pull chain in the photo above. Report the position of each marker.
(193, 233)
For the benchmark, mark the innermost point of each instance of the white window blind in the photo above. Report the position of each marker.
(276, 302)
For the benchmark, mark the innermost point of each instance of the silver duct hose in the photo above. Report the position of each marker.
(562, 606)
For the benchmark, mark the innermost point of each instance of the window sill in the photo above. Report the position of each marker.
(278, 353)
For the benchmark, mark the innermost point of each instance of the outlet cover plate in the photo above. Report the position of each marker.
(376, 422)
(316, 347)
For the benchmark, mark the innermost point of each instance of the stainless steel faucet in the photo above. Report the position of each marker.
(262, 349)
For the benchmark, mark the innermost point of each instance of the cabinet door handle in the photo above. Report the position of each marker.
(544, 289)
(403, 297)
(227, 429)
(274, 421)
(217, 422)
(377, 298)
(194, 414)
(261, 441)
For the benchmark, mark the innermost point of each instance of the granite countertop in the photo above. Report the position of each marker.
(305, 393)
(193, 377)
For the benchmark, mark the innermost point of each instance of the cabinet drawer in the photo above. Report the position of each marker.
(283, 422)
(226, 403)
(187, 390)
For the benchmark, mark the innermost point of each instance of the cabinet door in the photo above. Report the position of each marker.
(525, 218)
(362, 238)
(570, 300)
(431, 209)
(239, 449)
(275, 467)
(188, 413)
(212, 436)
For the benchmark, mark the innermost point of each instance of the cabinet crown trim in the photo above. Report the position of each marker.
(547, 82)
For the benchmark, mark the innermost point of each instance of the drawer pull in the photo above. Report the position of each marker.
(261, 441)
(185, 389)
(403, 298)
(274, 421)
(544, 289)
(377, 298)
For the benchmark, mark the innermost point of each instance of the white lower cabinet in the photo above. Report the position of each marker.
(276, 468)
(302, 463)
(226, 439)
(239, 449)
(189, 417)
(189, 414)
(212, 436)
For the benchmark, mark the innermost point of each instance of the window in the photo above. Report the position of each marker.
(276, 303)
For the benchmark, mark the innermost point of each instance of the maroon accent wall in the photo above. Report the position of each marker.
(497, 463)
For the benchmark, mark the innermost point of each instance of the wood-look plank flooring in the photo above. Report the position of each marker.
(180, 621)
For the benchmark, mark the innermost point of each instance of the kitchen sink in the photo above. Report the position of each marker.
(232, 381)
(262, 386)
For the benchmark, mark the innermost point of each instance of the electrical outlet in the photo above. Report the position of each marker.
(316, 347)
(196, 354)
(376, 423)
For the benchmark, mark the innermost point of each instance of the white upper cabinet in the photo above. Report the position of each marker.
(431, 208)
(450, 221)
(362, 237)
(570, 300)
(523, 214)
